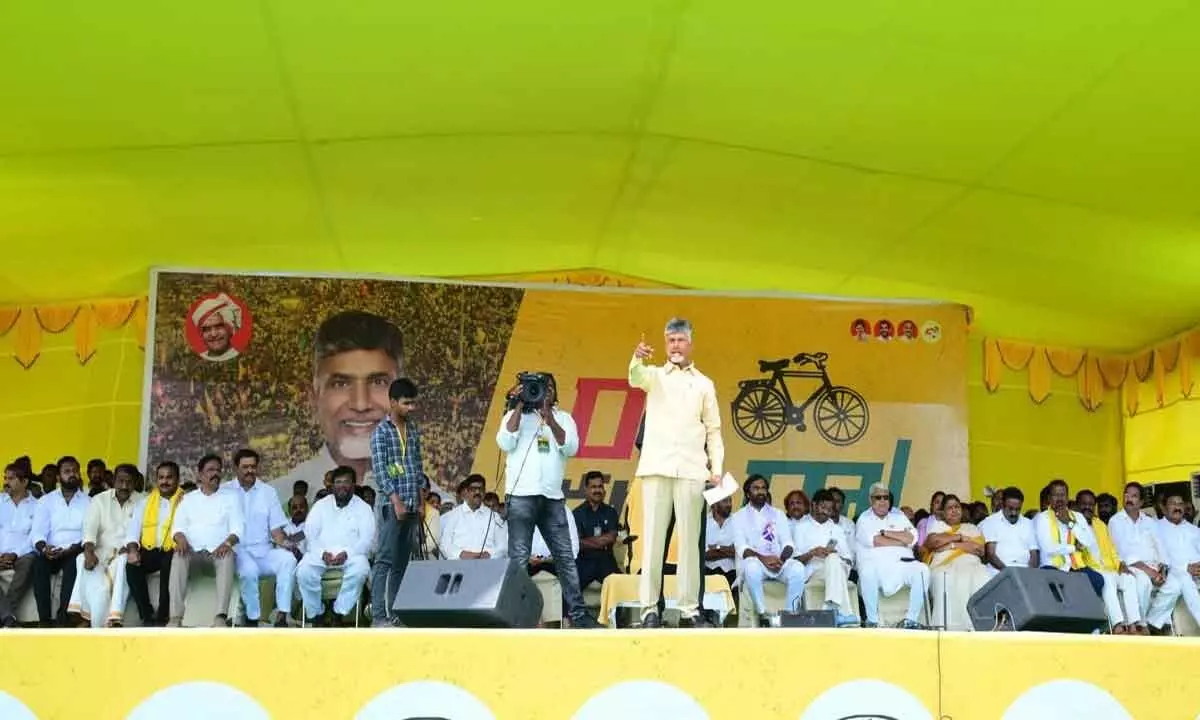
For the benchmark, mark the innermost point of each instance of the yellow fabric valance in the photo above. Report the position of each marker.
(1095, 373)
(29, 322)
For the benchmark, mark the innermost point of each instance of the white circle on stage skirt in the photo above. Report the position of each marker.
(873, 699)
(641, 700)
(13, 709)
(1066, 700)
(201, 700)
(425, 698)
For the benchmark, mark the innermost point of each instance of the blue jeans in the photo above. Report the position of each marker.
(524, 513)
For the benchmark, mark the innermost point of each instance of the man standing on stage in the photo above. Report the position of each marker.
(396, 463)
(537, 442)
(682, 450)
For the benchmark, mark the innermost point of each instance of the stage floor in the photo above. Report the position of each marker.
(253, 674)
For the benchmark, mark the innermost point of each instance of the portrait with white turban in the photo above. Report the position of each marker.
(217, 319)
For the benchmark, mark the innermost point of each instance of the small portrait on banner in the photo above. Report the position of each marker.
(861, 330)
(907, 332)
(218, 327)
(884, 330)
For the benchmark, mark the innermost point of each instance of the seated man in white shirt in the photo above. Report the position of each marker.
(264, 548)
(1136, 537)
(1009, 540)
(1064, 537)
(17, 508)
(294, 529)
(1181, 540)
(823, 550)
(471, 531)
(720, 553)
(57, 539)
(763, 543)
(208, 524)
(339, 532)
(100, 590)
(886, 563)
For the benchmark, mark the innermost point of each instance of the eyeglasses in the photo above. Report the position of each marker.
(879, 497)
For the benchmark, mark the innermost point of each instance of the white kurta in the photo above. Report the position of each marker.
(833, 570)
(1014, 541)
(764, 531)
(100, 594)
(207, 520)
(333, 529)
(719, 535)
(893, 565)
(464, 529)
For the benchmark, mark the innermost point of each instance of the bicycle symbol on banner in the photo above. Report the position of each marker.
(764, 407)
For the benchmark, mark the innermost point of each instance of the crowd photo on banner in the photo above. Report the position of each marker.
(646, 458)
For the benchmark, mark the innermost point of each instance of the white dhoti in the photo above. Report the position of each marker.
(887, 577)
(1157, 611)
(834, 575)
(99, 594)
(312, 570)
(952, 587)
(1127, 585)
(792, 573)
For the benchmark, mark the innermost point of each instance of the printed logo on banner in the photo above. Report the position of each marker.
(866, 700)
(218, 327)
(1062, 698)
(196, 700)
(765, 407)
(931, 331)
(425, 700)
(641, 699)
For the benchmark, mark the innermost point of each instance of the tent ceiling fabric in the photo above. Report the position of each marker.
(1036, 161)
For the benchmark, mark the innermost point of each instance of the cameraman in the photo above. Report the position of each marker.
(538, 441)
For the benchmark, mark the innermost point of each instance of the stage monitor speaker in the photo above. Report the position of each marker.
(1037, 599)
(467, 594)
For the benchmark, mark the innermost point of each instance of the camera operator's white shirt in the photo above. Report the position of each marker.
(529, 471)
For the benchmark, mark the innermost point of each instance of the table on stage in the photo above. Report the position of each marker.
(621, 590)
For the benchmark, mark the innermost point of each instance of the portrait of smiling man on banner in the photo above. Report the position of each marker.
(356, 356)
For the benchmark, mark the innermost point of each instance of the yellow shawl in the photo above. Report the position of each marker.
(950, 556)
(1077, 561)
(150, 521)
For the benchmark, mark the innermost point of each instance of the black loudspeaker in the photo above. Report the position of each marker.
(467, 594)
(808, 619)
(1038, 599)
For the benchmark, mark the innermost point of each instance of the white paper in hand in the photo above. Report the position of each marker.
(727, 488)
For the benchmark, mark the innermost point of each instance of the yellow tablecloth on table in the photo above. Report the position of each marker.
(622, 591)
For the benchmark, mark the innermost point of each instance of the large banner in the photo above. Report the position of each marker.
(813, 392)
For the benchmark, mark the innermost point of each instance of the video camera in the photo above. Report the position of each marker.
(535, 386)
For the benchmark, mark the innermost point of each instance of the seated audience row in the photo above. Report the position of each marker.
(106, 544)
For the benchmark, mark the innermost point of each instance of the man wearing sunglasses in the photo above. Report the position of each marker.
(885, 539)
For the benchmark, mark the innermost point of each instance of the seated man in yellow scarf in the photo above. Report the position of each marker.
(1116, 575)
(99, 592)
(1064, 537)
(149, 544)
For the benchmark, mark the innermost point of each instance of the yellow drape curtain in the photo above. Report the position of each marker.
(29, 323)
(1097, 374)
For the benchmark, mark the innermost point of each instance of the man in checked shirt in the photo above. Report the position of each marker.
(396, 463)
